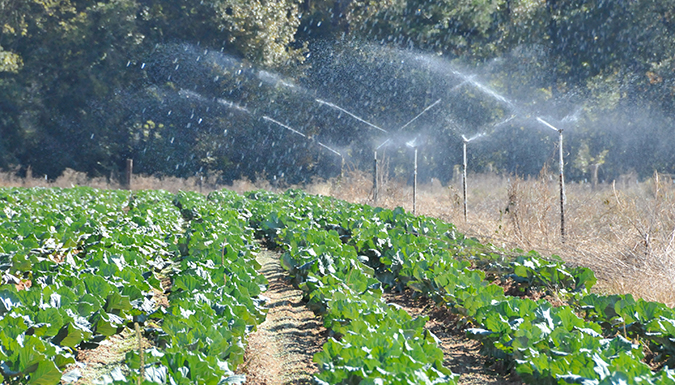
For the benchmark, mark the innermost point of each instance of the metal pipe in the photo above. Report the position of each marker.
(464, 180)
(562, 176)
(342, 167)
(562, 190)
(375, 187)
(415, 186)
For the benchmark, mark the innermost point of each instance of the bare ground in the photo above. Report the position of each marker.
(280, 352)
(461, 354)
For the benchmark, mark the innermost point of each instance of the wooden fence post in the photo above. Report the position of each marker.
(128, 173)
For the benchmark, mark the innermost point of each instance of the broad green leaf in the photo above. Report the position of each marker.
(46, 373)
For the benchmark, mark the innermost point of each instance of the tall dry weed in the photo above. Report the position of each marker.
(626, 236)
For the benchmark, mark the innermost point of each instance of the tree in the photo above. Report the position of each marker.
(456, 27)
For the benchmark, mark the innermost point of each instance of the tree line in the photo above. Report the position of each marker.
(87, 85)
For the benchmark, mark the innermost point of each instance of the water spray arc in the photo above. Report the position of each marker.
(420, 114)
(350, 114)
(562, 177)
(375, 160)
(481, 87)
(342, 158)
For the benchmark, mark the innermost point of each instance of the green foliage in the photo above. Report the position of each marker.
(590, 339)
(450, 26)
(62, 62)
(89, 262)
(92, 259)
(377, 343)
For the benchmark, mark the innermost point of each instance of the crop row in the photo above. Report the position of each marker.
(373, 343)
(590, 339)
(80, 265)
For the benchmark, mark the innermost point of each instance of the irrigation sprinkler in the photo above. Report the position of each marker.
(562, 177)
(415, 185)
(413, 144)
(375, 188)
(342, 158)
(464, 164)
(376, 171)
(465, 141)
(375, 161)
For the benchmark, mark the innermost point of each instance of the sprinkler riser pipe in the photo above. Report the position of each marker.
(415, 185)
(464, 181)
(342, 167)
(375, 187)
(562, 190)
(561, 162)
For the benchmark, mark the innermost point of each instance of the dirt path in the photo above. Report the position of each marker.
(461, 355)
(280, 352)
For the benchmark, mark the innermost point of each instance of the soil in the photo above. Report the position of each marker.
(93, 364)
(281, 350)
(461, 354)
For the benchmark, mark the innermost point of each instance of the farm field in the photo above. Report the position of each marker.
(623, 230)
(85, 268)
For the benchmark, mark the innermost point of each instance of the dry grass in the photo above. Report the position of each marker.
(624, 231)
(71, 178)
